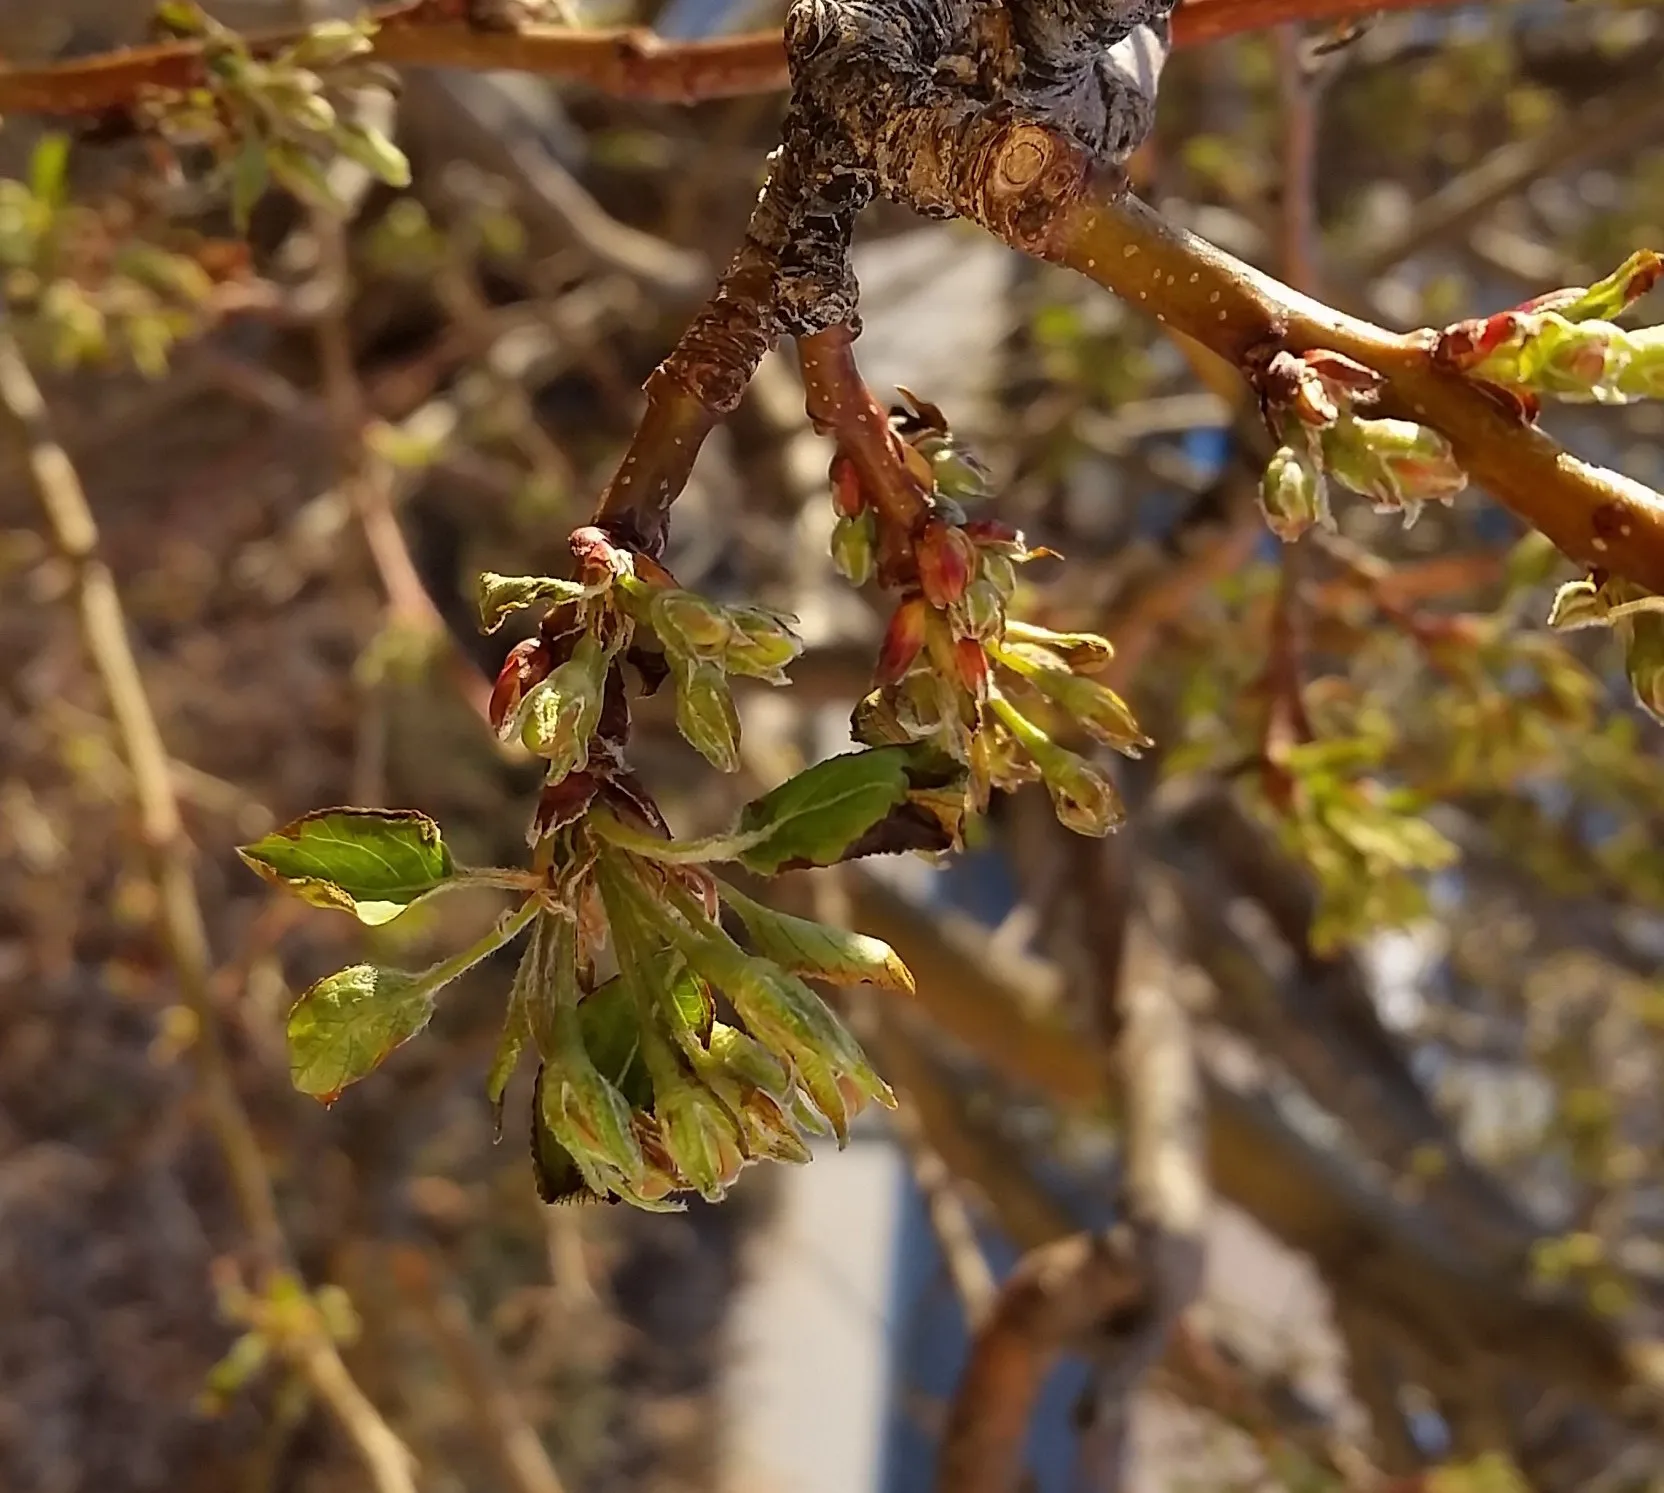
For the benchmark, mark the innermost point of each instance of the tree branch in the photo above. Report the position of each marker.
(1121, 1293)
(628, 62)
(1043, 194)
(74, 532)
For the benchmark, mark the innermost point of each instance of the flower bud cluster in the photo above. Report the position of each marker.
(1565, 345)
(273, 118)
(953, 666)
(643, 1094)
(1310, 403)
(561, 692)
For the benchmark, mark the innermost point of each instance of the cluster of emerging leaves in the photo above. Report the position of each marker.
(1311, 402)
(278, 118)
(646, 1087)
(80, 285)
(954, 669)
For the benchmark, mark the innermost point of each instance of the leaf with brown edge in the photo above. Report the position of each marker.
(372, 863)
(882, 801)
(344, 1027)
(818, 950)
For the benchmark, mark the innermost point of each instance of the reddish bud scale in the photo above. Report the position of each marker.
(946, 559)
(903, 639)
(597, 556)
(990, 531)
(972, 665)
(847, 495)
(528, 664)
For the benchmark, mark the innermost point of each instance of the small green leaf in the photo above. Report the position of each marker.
(344, 1027)
(372, 863)
(49, 169)
(501, 594)
(814, 818)
(250, 176)
(818, 950)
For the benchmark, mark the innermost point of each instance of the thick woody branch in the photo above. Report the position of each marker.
(1044, 194)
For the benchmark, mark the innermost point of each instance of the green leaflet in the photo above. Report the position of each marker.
(370, 863)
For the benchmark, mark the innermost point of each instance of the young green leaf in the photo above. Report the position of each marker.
(344, 1027)
(856, 804)
(501, 594)
(818, 950)
(371, 863)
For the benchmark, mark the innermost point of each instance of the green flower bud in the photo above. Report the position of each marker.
(586, 1113)
(1083, 799)
(687, 623)
(959, 475)
(1102, 712)
(558, 717)
(699, 1136)
(981, 611)
(705, 715)
(1293, 495)
(1643, 376)
(745, 1061)
(854, 548)
(762, 646)
(1644, 660)
(998, 570)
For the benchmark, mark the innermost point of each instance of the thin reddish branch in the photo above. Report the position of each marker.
(629, 62)
(840, 404)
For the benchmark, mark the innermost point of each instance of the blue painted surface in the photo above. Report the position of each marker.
(930, 1347)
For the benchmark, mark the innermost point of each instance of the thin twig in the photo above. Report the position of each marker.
(57, 488)
(630, 63)
(504, 1431)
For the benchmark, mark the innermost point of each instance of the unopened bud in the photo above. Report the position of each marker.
(1644, 660)
(847, 496)
(1293, 495)
(1397, 464)
(1102, 712)
(586, 1113)
(1082, 797)
(687, 623)
(1083, 652)
(903, 639)
(705, 714)
(527, 665)
(982, 610)
(560, 715)
(700, 1135)
(762, 646)
(959, 475)
(946, 557)
(854, 548)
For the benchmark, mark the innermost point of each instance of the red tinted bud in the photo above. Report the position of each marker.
(972, 665)
(847, 496)
(527, 664)
(597, 556)
(946, 557)
(902, 640)
(992, 531)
